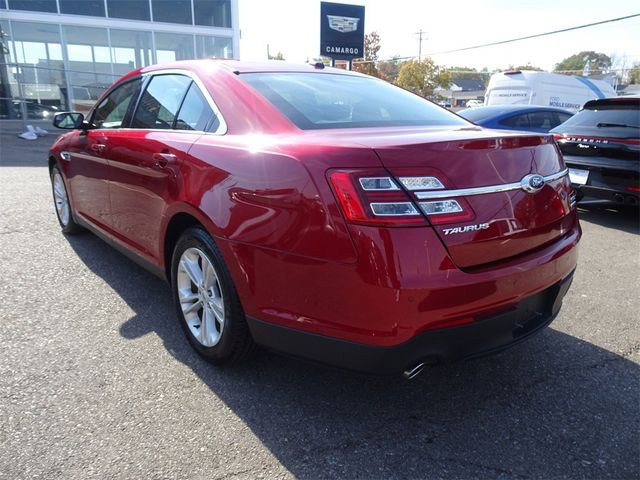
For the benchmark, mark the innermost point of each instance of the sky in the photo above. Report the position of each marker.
(293, 28)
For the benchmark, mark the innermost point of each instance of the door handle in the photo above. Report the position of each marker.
(98, 147)
(162, 159)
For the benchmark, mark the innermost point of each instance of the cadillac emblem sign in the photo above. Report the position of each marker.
(343, 24)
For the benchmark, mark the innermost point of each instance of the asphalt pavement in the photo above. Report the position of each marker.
(98, 381)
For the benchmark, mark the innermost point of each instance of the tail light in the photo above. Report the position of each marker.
(373, 197)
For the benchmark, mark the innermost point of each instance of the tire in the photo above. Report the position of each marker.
(206, 301)
(62, 204)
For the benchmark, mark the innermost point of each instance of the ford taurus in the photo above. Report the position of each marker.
(321, 213)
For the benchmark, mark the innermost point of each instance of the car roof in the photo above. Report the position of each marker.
(622, 102)
(497, 109)
(241, 66)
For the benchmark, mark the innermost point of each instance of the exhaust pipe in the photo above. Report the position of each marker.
(618, 198)
(413, 372)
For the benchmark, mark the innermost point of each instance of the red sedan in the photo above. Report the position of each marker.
(321, 213)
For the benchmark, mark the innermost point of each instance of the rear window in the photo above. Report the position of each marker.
(316, 101)
(610, 116)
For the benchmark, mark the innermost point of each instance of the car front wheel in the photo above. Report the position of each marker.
(62, 204)
(206, 300)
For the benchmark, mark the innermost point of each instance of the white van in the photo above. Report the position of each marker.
(543, 88)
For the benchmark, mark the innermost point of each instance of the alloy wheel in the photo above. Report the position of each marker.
(61, 200)
(200, 296)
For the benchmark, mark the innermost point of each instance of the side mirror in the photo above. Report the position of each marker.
(68, 120)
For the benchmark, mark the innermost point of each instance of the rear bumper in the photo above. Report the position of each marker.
(482, 337)
(609, 179)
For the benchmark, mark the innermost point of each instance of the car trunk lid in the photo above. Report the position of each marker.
(488, 177)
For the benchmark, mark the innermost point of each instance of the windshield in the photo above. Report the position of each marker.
(315, 101)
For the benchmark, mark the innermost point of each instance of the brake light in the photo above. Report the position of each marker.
(372, 197)
(633, 189)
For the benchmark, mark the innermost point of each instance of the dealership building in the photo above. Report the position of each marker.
(62, 54)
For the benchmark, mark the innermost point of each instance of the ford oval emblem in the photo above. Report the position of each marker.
(532, 183)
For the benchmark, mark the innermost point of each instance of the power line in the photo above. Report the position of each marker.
(534, 36)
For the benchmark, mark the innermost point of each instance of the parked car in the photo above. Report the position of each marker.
(37, 111)
(474, 103)
(321, 212)
(601, 147)
(517, 117)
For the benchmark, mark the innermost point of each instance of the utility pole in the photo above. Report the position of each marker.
(419, 33)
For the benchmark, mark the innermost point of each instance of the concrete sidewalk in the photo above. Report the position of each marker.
(17, 152)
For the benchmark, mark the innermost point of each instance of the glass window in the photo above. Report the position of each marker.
(90, 71)
(563, 117)
(94, 8)
(39, 78)
(3, 4)
(516, 121)
(195, 111)
(173, 46)
(600, 118)
(130, 50)
(542, 120)
(130, 9)
(6, 41)
(219, 47)
(34, 5)
(212, 13)
(113, 109)
(7, 79)
(172, 11)
(160, 101)
(319, 100)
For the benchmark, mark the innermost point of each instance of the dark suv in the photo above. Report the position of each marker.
(601, 147)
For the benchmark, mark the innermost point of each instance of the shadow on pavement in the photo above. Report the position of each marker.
(625, 218)
(555, 406)
(17, 152)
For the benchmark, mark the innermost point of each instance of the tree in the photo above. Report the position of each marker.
(599, 63)
(371, 49)
(634, 74)
(389, 69)
(421, 77)
(465, 72)
(528, 66)
(277, 56)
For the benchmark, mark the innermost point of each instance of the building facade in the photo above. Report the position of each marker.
(62, 54)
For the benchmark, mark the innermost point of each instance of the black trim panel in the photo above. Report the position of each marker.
(483, 337)
(126, 251)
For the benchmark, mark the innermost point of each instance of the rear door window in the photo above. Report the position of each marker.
(161, 101)
(541, 120)
(516, 121)
(562, 117)
(195, 112)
